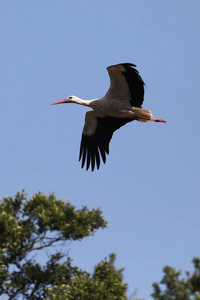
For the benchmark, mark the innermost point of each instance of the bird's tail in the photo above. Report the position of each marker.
(145, 115)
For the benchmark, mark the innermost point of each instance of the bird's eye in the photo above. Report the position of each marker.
(70, 98)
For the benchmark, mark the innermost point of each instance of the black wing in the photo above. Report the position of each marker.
(135, 83)
(96, 144)
(126, 84)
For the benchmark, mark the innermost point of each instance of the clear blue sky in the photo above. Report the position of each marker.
(149, 188)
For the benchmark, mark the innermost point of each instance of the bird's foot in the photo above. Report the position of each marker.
(157, 120)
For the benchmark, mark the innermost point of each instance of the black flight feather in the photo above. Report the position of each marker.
(135, 84)
(92, 146)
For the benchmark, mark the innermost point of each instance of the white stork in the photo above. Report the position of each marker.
(121, 104)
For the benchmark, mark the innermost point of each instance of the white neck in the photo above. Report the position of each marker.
(80, 101)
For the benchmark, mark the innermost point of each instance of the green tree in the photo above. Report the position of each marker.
(28, 226)
(178, 288)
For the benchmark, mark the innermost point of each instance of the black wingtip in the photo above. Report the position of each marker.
(128, 65)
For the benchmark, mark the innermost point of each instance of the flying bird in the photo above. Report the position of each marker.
(121, 104)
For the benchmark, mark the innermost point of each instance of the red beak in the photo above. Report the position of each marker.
(62, 101)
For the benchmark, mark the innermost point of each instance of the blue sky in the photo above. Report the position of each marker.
(149, 188)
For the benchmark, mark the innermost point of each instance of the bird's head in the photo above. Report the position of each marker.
(70, 99)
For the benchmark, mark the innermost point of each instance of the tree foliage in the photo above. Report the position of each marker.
(28, 226)
(177, 288)
(104, 283)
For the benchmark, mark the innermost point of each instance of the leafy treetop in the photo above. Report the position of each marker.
(30, 225)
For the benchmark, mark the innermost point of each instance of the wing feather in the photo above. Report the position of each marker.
(135, 83)
(96, 144)
(126, 84)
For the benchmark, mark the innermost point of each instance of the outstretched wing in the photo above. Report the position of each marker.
(96, 137)
(126, 84)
